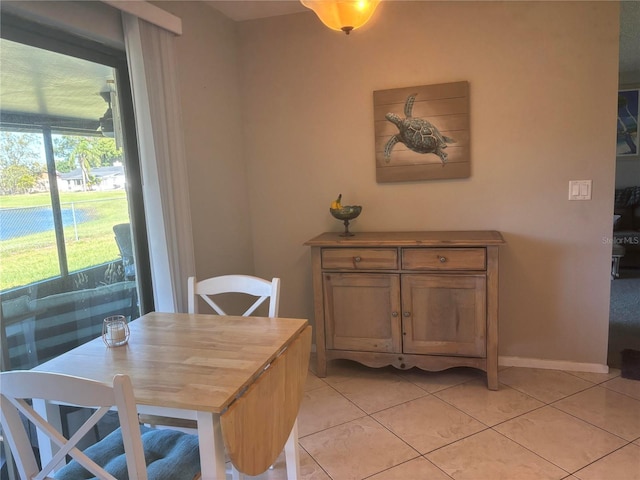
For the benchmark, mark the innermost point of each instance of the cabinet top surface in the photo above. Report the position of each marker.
(428, 238)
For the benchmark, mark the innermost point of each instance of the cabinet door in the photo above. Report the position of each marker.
(362, 312)
(444, 314)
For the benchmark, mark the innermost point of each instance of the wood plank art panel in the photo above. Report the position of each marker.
(422, 133)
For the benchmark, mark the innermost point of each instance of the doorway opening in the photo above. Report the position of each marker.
(624, 314)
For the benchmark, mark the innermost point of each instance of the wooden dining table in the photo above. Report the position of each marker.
(183, 366)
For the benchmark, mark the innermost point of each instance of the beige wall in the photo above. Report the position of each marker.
(543, 81)
(211, 100)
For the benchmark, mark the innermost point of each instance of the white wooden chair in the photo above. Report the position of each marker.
(245, 284)
(253, 287)
(208, 289)
(20, 387)
(254, 439)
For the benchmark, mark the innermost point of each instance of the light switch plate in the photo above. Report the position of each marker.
(579, 189)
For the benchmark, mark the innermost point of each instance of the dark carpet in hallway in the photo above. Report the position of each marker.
(624, 315)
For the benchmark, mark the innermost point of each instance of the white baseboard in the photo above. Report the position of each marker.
(552, 364)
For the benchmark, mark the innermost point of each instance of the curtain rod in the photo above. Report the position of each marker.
(149, 13)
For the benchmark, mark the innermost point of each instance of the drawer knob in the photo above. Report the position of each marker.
(407, 314)
(394, 314)
(356, 259)
(442, 259)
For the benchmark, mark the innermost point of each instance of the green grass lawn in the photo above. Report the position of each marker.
(31, 258)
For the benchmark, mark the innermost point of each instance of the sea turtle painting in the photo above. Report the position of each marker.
(417, 134)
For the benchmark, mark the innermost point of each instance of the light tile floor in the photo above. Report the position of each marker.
(385, 424)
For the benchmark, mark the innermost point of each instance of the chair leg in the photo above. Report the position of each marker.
(235, 474)
(292, 454)
(615, 267)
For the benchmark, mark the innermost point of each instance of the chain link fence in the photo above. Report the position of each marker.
(28, 248)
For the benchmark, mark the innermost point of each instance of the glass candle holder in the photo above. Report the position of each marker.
(115, 331)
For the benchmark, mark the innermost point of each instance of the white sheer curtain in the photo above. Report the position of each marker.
(151, 58)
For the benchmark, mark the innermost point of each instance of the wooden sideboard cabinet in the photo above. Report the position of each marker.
(407, 299)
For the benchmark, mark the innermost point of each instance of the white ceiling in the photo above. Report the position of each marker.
(241, 10)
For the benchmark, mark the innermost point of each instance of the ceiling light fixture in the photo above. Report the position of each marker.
(342, 15)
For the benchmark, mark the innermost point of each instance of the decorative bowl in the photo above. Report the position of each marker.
(348, 212)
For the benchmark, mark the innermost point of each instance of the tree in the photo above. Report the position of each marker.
(74, 151)
(19, 148)
(17, 179)
(86, 155)
(97, 151)
(20, 162)
(63, 145)
(106, 148)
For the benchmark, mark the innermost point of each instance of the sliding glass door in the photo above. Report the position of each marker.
(72, 236)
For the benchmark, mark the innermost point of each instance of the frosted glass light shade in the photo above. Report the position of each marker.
(342, 15)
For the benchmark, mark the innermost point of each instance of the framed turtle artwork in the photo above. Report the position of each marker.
(422, 133)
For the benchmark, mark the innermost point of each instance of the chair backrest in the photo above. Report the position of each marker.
(20, 386)
(246, 284)
(257, 424)
(122, 232)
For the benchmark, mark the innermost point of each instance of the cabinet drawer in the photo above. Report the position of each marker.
(360, 258)
(443, 259)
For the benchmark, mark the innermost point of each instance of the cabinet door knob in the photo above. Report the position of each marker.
(394, 314)
(407, 314)
(443, 259)
(356, 259)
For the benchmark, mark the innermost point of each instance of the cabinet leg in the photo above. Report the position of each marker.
(321, 366)
(321, 359)
(492, 379)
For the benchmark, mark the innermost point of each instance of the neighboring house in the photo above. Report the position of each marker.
(107, 178)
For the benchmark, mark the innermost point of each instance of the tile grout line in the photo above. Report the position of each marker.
(591, 424)
(604, 456)
(427, 394)
(553, 404)
(315, 460)
(531, 451)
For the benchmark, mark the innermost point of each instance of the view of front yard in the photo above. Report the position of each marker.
(28, 255)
